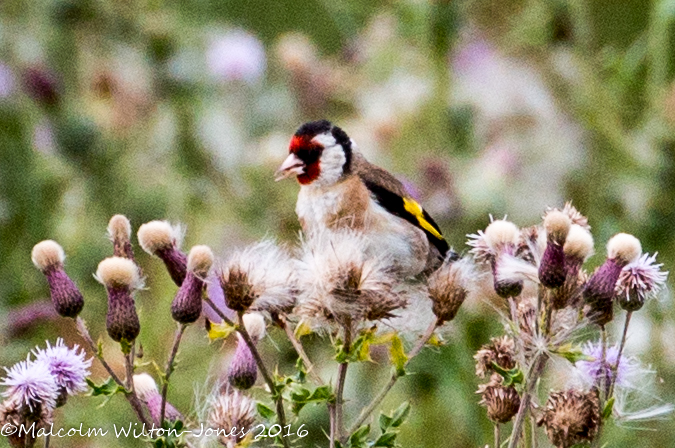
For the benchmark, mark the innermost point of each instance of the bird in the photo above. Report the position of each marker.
(340, 189)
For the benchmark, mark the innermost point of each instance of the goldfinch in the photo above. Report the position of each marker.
(340, 189)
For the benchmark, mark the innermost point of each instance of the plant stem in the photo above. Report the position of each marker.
(530, 383)
(300, 350)
(342, 376)
(47, 440)
(392, 381)
(615, 368)
(169, 370)
(497, 435)
(276, 396)
(131, 397)
(604, 381)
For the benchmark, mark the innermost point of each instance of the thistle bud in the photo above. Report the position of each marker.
(599, 292)
(187, 305)
(119, 232)
(48, 257)
(552, 267)
(578, 247)
(121, 278)
(147, 391)
(502, 238)
(243, 370)
(500, 351)
(161, 239)
(448, 287)
(502, 402)
(571, 417)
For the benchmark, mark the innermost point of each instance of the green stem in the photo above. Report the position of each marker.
(169, 370)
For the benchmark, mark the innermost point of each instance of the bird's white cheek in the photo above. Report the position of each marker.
(332, 163)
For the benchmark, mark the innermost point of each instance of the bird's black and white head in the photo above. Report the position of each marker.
(319, 154)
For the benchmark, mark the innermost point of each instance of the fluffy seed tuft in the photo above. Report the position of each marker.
(116, 272)
(119, 228)
(579, 243)
(624, 248)
(255, 325)
(158, 235)
(501, 233)
(144, 385)
(47, 254)
(557, 225)
(200, 260)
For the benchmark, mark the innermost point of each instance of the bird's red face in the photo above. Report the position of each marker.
(319, 152)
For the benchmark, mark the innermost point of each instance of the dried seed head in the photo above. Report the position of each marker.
(571, 417)
(448, 287)
(259, 277)
(187, 305)
(14, 414)
(120, 277)
(639, 281)
(255, 325)
(234, 413)
(502, 402)
(147, 391)
(623, 248)
(163, 240)
(119, 232)
(48, 255)
(500, 351)
(243, 370)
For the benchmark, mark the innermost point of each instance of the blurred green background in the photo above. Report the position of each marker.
(183, 110)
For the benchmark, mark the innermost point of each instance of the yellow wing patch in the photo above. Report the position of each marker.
(412, 207)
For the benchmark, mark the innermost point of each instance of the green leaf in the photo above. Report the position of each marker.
(572, 354)
(360, 348)
(397, 354)
(264, 411)
(301, 397)
(400, 415)
(107, 389)
(607, 411)
(302, 329)
(511, 377)
(126, 346)
(360, 437)
(301, 375)
(385, 422)
(387, 439)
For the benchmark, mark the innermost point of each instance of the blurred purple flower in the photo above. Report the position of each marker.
(43, 137)
(6, 81)
(217, 296)
(592, 371)
(236, 56)
(68, 366)
(31, 383)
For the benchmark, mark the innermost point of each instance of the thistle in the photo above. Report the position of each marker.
(121, 278)
(571, 417)
(552, 268)
(69, 368)
(449, 286)
(234, 414)
(48, 257)
(502, 402)
(187, 305)
(243, 370)
(578, 247)
(599, 292)
(639, 281)
(500, 351)
(119, 232)
(161, 239)
(500, 239)
(147, 391)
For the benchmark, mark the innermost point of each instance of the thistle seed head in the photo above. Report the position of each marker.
(119, 232)
(449, 286)
(161, 239)
(147, 391)
(623, 248)
(500, 351)
(557, 225)
(502, 402)
(578, 245)
(117, 273)
(255, 325)
(233, 412)
(571, 417)
(121, 278)
(48, 257)
(187, 305)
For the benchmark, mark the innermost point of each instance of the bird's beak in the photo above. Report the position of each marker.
(291, 166)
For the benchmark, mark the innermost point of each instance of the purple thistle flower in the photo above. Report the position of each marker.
(593, 370)
(31, 383)
(243, 370)
(639, 281)
(69, 367)
(187, 305)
